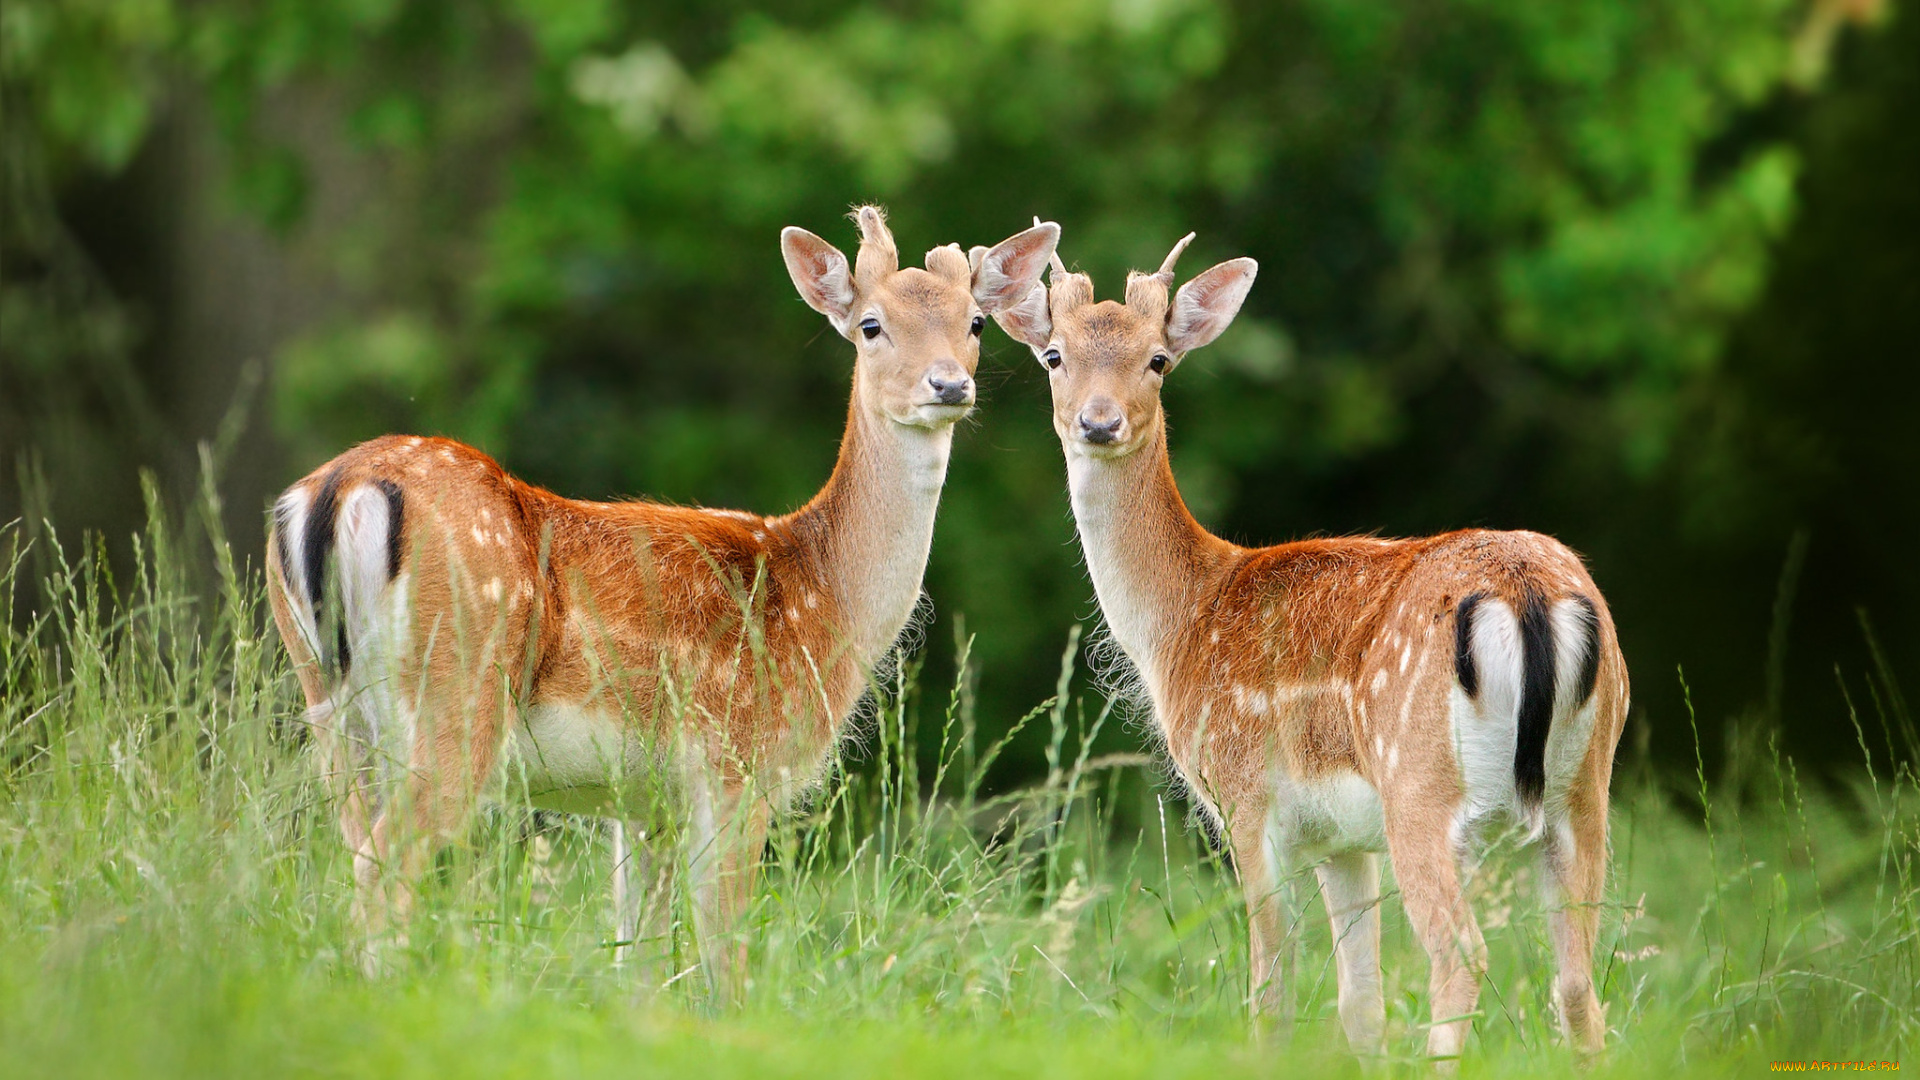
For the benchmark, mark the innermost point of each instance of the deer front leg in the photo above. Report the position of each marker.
(641, 893)
(1269, 946)
(1350, 886)
(728, 827)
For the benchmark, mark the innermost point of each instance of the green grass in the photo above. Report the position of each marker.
(174, 899)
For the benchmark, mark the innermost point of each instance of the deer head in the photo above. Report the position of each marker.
(1106, 361)
(916, 332)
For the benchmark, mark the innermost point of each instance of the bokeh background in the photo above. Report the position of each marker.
(1643, 274)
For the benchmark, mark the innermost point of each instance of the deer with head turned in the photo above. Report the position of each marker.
(459, 633)
(1326, 700)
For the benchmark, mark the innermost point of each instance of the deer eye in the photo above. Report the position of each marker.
(979, 324)
(1158, 365)
(1051, 358)
(870, 328)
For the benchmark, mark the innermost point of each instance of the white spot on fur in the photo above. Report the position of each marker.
(1379, 682)
(813, 599)
(479, 537)
(493, 589)
(1406, 654)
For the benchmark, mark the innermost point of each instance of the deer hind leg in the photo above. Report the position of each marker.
(345, 761)
(1350, 886)
(728, 827)
(1576, 861)
(351, 776)
(1426, 863)
(426, 802)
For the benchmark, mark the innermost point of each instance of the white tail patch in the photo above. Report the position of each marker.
(361, 537)
(1573, 636)
(1485, 727)
(375, 617)
(290, 521)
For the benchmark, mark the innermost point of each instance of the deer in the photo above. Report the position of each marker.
(1327, 700)
(459, 634)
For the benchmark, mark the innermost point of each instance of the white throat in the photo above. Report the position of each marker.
(1109, 506)
(883, 526)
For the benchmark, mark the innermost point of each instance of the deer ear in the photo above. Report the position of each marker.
(1006, 273)
(1028, 322)
(820, 272)
(1205, 306)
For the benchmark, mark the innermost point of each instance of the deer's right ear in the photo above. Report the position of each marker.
(1028, 322)
(820, 272)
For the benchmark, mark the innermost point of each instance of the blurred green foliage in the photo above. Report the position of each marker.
(1493, 234)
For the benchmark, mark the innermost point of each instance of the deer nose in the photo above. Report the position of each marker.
(1100, 422)
(950, 384)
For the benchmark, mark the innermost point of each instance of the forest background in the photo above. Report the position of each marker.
(1642, 276)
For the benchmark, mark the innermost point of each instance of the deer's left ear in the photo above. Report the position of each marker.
(1204, 307)
(1007, 272)
(1028, 322)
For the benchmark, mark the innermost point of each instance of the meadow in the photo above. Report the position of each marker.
(174, 897)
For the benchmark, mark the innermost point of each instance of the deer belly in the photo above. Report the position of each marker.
(1325, 815)
(581, 761)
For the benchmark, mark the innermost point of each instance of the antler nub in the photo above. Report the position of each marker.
(1053, 257)
(1165, 273)
(878, 257)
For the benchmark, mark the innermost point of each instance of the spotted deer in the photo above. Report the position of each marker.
(459, 633)
(1325, 700)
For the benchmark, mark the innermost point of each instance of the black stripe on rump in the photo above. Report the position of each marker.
(1590, 642)
(1463, 668)
(282, 522)
(396, 523)
(1536, 699)
(316, 546)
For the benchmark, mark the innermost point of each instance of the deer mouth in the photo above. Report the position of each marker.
(938, 413)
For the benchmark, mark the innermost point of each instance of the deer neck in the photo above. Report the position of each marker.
(1151, 562)
(872, 524)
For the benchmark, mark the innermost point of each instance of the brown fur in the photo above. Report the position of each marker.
(729, 647)
(1294, 666)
